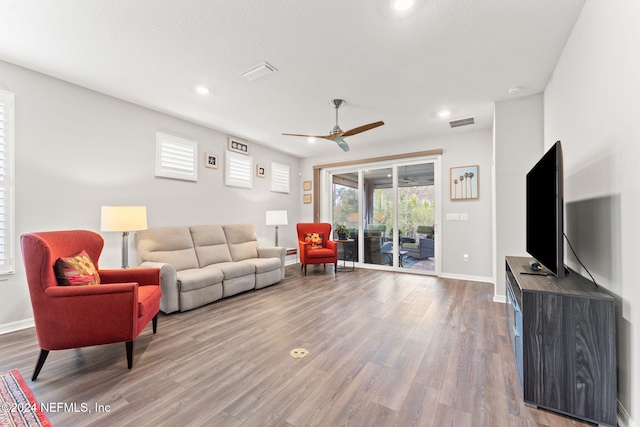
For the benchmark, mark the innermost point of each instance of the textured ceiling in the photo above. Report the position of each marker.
(401, 68)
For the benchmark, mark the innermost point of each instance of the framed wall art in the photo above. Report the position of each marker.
(306, 199)
(211, 160)
(306, 185)
(238, 146)
(464, 182)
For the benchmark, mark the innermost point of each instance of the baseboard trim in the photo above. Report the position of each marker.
(16, 326)
(624, 419)
(500, 298)
(468, 278)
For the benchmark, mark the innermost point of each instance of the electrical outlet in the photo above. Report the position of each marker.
(465, 257)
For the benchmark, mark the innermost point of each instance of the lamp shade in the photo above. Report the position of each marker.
(276, 218)
(123, 218)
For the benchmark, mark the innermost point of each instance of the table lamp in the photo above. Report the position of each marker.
(276, 218)
(124, 219)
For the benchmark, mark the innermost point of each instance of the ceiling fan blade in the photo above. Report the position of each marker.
(362, 128)
(310, 136)
(341, 143)
(298, 134)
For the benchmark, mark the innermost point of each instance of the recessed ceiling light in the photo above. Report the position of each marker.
(444, 113)
(402, 4)
(203, 90)
(514, 90)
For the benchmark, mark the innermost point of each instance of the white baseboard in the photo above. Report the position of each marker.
(624, 420)
(500, 298)
(16, 326)
(468, 278)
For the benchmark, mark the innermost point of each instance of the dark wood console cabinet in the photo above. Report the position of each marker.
(563, 337)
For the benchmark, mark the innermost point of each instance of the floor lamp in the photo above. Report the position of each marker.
(124, 219)
(276, 218)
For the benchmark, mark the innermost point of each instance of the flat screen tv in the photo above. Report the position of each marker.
(545, 211)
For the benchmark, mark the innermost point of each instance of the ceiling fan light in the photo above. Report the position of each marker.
(311, 140)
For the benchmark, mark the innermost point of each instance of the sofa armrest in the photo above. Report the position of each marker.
(170, 300)
(274, 252)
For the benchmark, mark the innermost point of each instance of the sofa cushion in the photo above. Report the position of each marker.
(242, 241)
(210, 244)
(231, 270)
(76, 270)
(198, 278)
(262, 265)
(171, 245)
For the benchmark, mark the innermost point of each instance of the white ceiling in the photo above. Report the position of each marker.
(401, 68)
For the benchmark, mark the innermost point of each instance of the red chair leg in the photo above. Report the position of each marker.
(129, 345)
(40, 363)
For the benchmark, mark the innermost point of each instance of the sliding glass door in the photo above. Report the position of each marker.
(391, 211)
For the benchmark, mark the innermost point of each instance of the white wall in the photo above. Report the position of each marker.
(471, 237)
(518, 145)
(592, 104)
(77, 149)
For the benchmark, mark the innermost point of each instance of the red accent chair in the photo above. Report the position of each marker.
(80, 316)
(328, 254)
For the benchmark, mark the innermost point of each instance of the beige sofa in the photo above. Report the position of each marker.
(204, 263)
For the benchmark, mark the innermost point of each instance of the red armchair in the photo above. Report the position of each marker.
(80, 316)
(327, 253)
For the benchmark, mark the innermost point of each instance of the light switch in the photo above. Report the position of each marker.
(464, 217)
(453, 217)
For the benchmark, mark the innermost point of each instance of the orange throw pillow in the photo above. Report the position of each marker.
(313, 240)
(77, 270)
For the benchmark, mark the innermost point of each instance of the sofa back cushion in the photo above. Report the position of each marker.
(210, 243)
(172, 245)
(242, 241)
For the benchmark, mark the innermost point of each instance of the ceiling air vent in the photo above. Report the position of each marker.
(461, 122)
(259, 71)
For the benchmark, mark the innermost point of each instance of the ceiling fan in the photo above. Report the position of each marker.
(337, 135)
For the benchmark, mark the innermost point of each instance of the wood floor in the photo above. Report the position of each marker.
(385, 349)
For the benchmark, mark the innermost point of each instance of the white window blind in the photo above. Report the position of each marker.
(238, 170)
(279, 178)
(176, 157)
(6, 182)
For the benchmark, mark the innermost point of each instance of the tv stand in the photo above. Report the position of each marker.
(563, 338)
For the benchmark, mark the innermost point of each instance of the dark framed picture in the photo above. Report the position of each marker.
(464, 182)
(211, 160)
(238, 146)
(261, 171)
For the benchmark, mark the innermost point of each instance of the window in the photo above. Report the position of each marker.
(6, 183)
(238, 170)
(279, 178)
(176, 157)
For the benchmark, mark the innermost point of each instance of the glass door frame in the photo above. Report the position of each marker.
(326, 206)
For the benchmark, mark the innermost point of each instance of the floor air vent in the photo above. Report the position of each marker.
(461, 122)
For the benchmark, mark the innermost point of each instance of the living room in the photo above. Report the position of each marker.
(77, 149)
